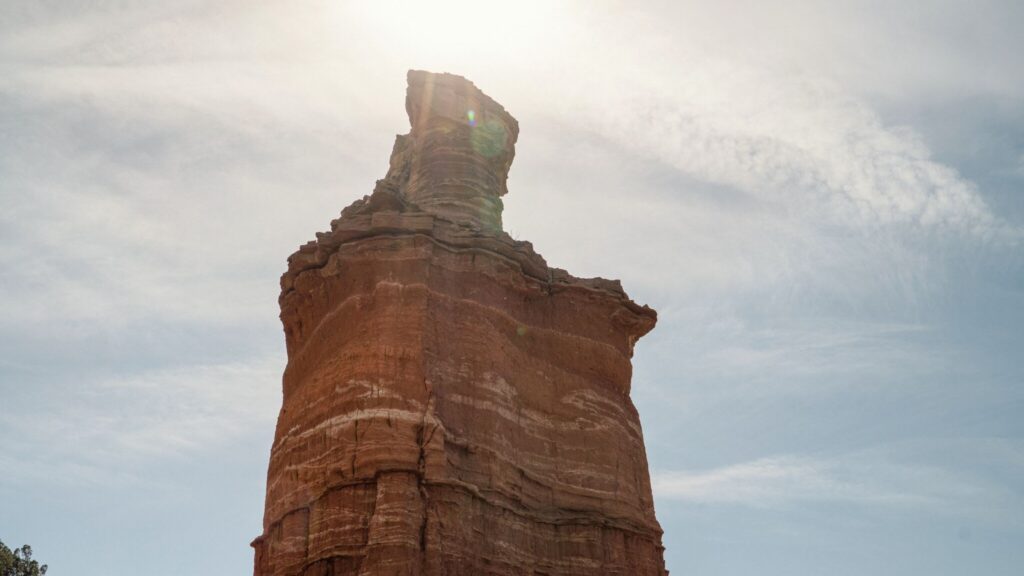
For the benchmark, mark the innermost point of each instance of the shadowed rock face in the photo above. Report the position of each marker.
(452, 405)
(455, 160)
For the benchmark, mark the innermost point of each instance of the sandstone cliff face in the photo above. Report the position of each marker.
(452, 405)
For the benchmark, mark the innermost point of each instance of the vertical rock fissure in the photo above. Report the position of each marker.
(424, 441)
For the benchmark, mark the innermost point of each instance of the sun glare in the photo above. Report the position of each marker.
(462, 31)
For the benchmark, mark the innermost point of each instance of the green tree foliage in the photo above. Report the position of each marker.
(19, 562)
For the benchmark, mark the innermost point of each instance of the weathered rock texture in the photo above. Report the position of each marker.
(452, 405)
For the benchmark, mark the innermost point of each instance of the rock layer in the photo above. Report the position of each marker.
(453, 405)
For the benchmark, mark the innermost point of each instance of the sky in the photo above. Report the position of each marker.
(823, 201)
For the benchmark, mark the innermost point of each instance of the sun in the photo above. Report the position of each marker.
(451, 32)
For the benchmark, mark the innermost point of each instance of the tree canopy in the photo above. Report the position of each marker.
(19, 562)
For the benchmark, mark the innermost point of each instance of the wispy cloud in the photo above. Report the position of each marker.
(801, 141)
(114, 428)
(872, 478)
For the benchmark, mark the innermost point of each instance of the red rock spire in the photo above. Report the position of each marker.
(452, 405)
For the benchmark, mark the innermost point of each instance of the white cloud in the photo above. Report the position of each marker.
(880, 477)
(246, 124)
(802, 142)
(111, 429)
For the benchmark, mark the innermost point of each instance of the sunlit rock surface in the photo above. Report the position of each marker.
(452, 405)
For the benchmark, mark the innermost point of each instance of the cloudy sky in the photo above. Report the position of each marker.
(825, 203)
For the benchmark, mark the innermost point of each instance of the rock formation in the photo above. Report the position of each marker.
(452, 405)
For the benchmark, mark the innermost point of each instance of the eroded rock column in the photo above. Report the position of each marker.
(453, 405)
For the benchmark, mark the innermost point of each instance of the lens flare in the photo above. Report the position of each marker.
(489, 138)
(471, 116)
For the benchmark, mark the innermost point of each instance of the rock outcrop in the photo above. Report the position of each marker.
(453, 405)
